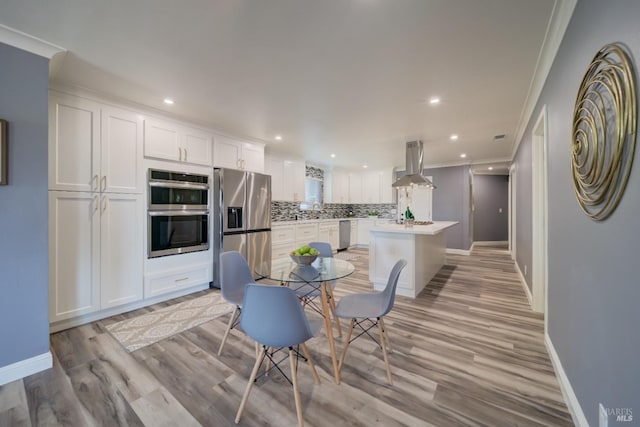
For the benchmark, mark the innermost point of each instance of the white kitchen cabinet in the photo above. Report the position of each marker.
(339, 187)
(170, 141)
(236, 154)
(329, 232)
(287, 179)
(353, 236)
(306, 233)
(364, 225)
(93, 147)
(161, 283)
(371, 187)
(274, 167)
(386, 190)
(355, 188)
(294, 176)
(95, 252)
(120, 249)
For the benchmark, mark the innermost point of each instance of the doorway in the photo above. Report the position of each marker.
(539, 190)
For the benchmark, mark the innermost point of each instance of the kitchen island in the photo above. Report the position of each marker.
(423, 246)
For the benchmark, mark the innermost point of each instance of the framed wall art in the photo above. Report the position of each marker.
(3, 152)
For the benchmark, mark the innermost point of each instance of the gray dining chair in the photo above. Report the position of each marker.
(362, 309)
(234, 277)
(273, 317)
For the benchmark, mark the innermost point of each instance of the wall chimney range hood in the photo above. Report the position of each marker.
(413, 168)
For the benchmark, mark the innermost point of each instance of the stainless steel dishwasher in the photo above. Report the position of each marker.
(344, 234)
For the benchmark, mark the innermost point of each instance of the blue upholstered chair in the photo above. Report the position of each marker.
(273, 317)
(234, 277)
(362, 309)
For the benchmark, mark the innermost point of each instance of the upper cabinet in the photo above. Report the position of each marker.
(170, 141)
(236, 154)
(93, 147)
(361, 187)
(287, 179)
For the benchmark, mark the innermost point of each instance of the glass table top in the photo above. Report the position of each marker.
(285, 270)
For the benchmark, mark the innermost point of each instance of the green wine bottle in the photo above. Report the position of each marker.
(408, 214)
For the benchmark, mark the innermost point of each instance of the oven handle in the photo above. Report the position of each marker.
(177, 213)
(173, 184)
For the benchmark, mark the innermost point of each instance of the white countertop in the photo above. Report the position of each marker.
(436, 228)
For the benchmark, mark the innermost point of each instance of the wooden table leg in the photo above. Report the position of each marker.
(329, 328)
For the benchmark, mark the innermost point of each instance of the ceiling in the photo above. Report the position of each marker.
(350, 77)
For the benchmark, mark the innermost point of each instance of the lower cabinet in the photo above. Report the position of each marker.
(306, 233)
(364, 225)
(329, 232)
(353, 236)
(95, 252)
(170, 281)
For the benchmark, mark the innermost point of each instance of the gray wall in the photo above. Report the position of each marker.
(452, 202)
(491, 208)
(593, 289)
(24, 323)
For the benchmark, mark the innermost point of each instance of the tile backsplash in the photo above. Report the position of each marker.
(290, 211)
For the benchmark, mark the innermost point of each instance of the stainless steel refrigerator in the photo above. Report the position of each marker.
(241, 218)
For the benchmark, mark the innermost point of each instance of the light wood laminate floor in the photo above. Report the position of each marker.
(467, 352)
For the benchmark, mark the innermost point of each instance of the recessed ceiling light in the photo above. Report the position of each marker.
(278, 137)
(490, 168)
(434, 100)
(463, 155)
(365, 166)
(169, 101)
(333, 156)
(453, 137)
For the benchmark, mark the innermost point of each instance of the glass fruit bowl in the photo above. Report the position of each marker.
(303, 259)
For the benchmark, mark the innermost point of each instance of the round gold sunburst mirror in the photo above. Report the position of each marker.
(604, 132)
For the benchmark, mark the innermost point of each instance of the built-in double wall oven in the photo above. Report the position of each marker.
(178, 213)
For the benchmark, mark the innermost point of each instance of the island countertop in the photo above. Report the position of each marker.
(432, 229)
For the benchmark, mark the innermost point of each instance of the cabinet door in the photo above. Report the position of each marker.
(274, 167)
(253, 157)
(74, 144)
(371, 187)
(340, 187)
(293, 175)
(161, 140)
(386, 190)
(334, 236)
(197, 147)
(121, 151)
(353, 237)
(355, 188)
(364, 225)
(74, 254)
(226, 152)
(121, 279)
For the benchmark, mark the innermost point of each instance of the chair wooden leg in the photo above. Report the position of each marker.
(252, 378)
(296, 392)
(384, 351)
(332, 305)
(346, 344)
(305, 350)
(229, 326)
(267, 364)
(386, 335)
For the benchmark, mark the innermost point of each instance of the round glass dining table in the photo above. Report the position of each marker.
(307, 279)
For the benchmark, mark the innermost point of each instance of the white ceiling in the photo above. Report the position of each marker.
(348, 77)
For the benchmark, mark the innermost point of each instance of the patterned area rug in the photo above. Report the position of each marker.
(346, 256)
(152, 327)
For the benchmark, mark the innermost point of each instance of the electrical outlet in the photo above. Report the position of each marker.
(604, 418)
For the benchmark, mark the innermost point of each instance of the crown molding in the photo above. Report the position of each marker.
(32, 44)
(560, 17)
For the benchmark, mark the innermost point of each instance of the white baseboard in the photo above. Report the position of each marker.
(523, 281)
(458, 251)
(24, 368)
(565, 386)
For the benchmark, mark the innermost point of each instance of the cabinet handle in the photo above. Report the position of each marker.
(104, 183)
(104, 203)
(179, 154)
(182, 279)
(95, 182)
(185, 154)
(95, 203)
(243, 167)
